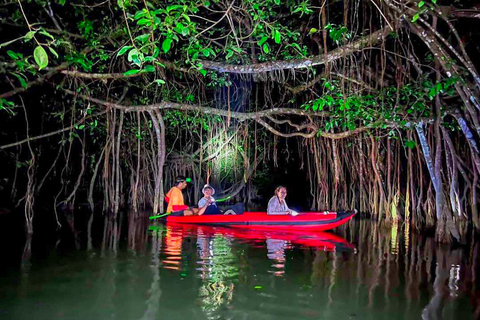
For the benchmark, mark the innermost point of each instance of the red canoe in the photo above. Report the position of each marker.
(317, 221)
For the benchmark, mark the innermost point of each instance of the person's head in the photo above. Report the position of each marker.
(181, 182)
(281, 192)
(208, 190)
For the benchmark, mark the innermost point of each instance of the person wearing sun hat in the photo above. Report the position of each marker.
(209, 201)
(211, 204)
(176, 205)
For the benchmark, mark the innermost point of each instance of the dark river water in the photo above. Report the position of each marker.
(155, 271)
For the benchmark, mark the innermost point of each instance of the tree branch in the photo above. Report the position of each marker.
(286, 135)
(329, 135)
(318, 78)
(46, 135)
(36, 81)
(120, 75)
(237, 115)
(102, 76)
(298, 127)
(206, 110)
(473, 13)
(333, 55)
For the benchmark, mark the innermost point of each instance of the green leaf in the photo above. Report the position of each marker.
(203, 72)
(321, 104)
(277, 36)
(410, 144)
(29, 35)
(266, 48)
(62, 2)
(166, 45)
(131, 72)
(143, 37)
(296, 46)
(421, 4)
(156, 21)
(45, 33)
(298, 9)
(7, 103)
(313, 30)
(277, 2)
(41, 57)
(156, 52)
(262, 41)
(53, 52)
(132, 54)
(144, 21)
(13, 55)
(159, 81)
(149, 68)
(179, 28)
(174, 7)
(415, 17)
(149, 59)
(186, 17)
(123, 3)
(206, 52)
(123, 50)
(21, 80)
(140, 14)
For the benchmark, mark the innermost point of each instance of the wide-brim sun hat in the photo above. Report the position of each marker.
(208, 186)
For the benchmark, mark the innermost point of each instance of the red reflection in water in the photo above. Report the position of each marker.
(318, 239)
(173, 248)
(276, 243)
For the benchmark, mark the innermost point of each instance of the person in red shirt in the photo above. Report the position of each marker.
(176, 205)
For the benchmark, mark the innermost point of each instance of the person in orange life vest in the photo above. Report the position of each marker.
(176, 205)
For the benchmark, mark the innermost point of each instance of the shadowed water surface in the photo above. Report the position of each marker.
(186, 272)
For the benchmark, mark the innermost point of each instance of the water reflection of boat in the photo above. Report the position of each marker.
(319, 221)
(318, 239)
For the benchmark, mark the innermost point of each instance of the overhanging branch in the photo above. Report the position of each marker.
(237, 115)
(46, 135)
(99, 76)
(329, 135)
(36, 81)
(372, 39)
(473, 13)
(206, 110)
